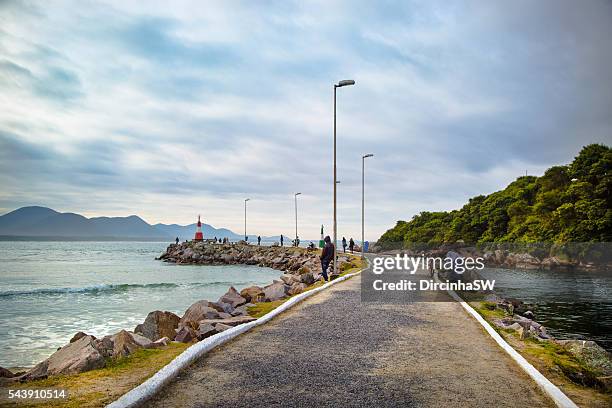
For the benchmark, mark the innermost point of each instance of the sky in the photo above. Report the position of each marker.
(167, 110)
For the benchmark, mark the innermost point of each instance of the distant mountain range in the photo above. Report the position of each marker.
(45, 223)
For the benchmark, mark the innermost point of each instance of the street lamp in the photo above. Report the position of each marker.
(345, 82)
(245, 231)
(363, 202)
(296, 224)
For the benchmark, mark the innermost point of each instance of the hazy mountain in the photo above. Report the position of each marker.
(42, 222)
(45, 222)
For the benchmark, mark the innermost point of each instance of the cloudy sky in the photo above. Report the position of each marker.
(121, 107)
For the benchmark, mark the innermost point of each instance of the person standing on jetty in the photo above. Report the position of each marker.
(258, 240)
(326, 256)
(344, 244)
(351, 245)
(177, 240)
(282, 239)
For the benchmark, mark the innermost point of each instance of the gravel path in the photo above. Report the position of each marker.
(334, 350)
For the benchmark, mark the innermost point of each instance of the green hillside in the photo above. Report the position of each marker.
(567, 204)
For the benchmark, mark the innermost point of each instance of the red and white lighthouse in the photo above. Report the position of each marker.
(198, 234)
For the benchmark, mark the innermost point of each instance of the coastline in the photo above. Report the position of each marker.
(229, 311)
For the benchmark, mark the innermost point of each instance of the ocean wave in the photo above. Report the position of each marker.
(114, 288)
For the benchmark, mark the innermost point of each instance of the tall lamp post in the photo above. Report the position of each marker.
(245, 218)
(296, 223)
(363, 202)
(345, 82)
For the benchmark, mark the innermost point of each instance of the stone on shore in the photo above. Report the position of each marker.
(6, 373)
(185, 335)
(125, 343)
(206, 330)
(76, 357)
(307, 278)
(200, 310)
(220, 327)
(253, 294)
(233, 298)
(221, 307)
(275, 291)
(79, 335)
(297, 288)
(243, 310)
(158, 324)
(164, 341)
(290, 279)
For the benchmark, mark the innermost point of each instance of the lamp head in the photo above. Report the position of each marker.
(368, 155)
(345, 82)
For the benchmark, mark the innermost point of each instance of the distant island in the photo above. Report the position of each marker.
(568, 204)
(42, 223)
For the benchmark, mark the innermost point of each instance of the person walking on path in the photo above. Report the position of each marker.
(282, 239)
(344, 244)
(258, 240)
(351, 245)
(326, 256)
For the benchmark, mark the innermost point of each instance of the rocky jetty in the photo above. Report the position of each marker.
(300, 268)
(288, 259)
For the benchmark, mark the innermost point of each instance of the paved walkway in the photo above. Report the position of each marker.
(334, 350)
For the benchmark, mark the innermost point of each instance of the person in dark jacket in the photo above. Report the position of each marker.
(327, 255)
(258, 240)
(282, 239)
(177, 240)
(351, 245)
(344, 244)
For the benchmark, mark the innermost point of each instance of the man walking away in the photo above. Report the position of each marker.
(344, 244)
(282, 239)
(327, 255)
(351, 245)
(258, 240)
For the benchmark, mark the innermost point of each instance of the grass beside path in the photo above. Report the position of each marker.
(98, 388)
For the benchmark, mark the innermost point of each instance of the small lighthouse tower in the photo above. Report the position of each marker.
(198, 234)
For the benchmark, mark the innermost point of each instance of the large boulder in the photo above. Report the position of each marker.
(243, 310)
(125, 343)
(275, 291)
(205, 330)
(232, 297)
(307, 278)
(76, 357)
(253, 294)
(200, 310)
(159, 324)
(186, 335)
(5, 373)
(221, 307)
(290, 279)
(297, 288)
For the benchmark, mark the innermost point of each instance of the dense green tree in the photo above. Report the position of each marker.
(567, 204)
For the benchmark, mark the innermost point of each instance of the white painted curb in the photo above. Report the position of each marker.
(139, 395)
(544, 383)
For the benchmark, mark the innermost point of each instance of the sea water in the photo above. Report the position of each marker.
(51, 290)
